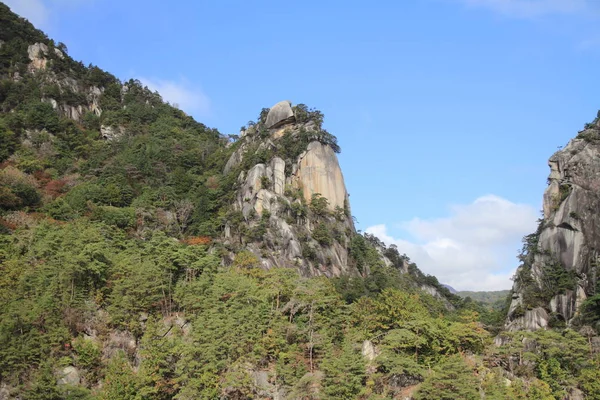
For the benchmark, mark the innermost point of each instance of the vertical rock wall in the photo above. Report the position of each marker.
(569, 239)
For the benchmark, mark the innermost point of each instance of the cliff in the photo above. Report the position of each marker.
(291, 203)
(139, 250)
(559, 262)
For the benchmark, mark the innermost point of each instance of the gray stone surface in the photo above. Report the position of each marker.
(571, 226)
(5, 392)
(532, 320)
(280, 114)
(319, 172)
(37, 54)
(263, 188)
(278, 167)
(69, 376)
(111, 132)
(575, 394)
(368, 350)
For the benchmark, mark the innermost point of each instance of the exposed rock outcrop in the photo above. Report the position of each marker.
(531, 320)
(560, 270)
(320, 172)
(280, 114)
(37, 54)
(280, 225)
(69, 375)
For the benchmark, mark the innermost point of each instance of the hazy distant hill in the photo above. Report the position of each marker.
(485, 297)
(450, 288)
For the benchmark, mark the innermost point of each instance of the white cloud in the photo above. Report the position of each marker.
(472, 249)
(532, 8)
(180, 94)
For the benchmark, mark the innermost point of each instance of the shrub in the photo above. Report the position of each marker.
(245, 259)
(322, 234)
(8, 143)
(265, 182)
(319, 205)
(17, 189)
(198, 240)
(121, 217)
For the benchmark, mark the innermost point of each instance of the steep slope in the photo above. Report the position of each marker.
(76, 141)
(292, 204)
(559, 262)
(140, 256)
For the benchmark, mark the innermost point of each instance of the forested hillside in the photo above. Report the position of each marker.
(144, 255)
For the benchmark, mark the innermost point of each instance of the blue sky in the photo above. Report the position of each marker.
(446, 110)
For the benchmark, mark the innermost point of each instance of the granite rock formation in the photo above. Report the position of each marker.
(559, 269)
(291, 197)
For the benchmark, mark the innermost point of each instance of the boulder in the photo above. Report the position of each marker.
(368, 350)
(575, 394)
(280, 114)
(111, 132)
(5, 391)
(69, 376)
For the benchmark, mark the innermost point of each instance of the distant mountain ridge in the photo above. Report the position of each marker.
(486, 297)
(450, 288)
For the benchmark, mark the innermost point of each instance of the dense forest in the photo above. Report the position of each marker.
(116, 281)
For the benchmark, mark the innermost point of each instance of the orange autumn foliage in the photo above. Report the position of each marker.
(196, 240)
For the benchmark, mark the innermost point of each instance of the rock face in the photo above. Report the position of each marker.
(567, 242)
(532, 320)
(69, 376)
(40, 55)
(320, 172)
(368, 350)
(280, 114)
(277, 221)
(37, 54)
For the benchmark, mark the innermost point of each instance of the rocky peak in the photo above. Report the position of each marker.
(291, 194)
(280, 114)
(559, 264)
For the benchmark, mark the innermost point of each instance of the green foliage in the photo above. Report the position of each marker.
(555, 278)
(292, 144)
(344, 371)
(17, 189)
(120, 382)
(88, 357)
(363, 254)
(590, 310)
(450, 380)
(322, 234)
(120, 217)
(304, 114)
(41, 116)
(319, 205)
(8, 142)
(495, 299)
(550, 371)
(265, 182)
(124, 242)
(245, 259)
(43, 385)
(590, 381)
